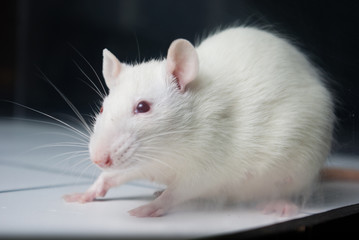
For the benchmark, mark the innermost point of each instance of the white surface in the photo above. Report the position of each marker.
(32, 184)
(15, 178)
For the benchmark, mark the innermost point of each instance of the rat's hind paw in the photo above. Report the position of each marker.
(80, 197)
(281, 207)
(148, 210)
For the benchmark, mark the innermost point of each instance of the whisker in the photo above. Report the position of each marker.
(93, 86)
(76, 120)
(58, 145)
(48, 123)
(89, 165)
(82, 161)
(138, 47)
(93, 115)
(65, 160)
(93, 70)
(81, 141)
(69, 127)
(72, 153)
(76, 165)
(69, 103)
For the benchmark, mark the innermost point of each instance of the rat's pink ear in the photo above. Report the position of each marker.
(182, 62)
(111, 68)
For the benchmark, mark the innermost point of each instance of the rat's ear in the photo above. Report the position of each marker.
(111, 68)
(182, 62)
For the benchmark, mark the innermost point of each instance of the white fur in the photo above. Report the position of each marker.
(256, 123)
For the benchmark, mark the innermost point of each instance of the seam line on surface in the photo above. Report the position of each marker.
(43, 187)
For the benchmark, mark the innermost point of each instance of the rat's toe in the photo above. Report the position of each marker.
(79, 197)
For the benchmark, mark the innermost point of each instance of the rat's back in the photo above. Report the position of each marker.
(281, 110)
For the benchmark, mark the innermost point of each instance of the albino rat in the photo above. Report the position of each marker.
(244, 116)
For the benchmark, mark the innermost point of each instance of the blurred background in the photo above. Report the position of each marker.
(54, 37)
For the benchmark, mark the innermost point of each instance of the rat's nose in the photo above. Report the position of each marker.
(103, 162)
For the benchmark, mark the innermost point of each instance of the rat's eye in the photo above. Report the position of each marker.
(101, 110)
(142, 107)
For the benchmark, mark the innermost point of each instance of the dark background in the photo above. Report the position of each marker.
(45, 35)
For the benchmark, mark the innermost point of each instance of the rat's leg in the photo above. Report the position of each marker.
(99, 188)
(156, 208)
(166, 200)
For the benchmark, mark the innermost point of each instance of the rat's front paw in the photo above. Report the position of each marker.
(80, 197)
(97, 190)
(148, 210)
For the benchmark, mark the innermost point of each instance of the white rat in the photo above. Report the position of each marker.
(244, 116)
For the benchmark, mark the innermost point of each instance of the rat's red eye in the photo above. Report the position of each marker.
(101, 110)
(142, 107)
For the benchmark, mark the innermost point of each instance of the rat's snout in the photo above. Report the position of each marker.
(103, 162)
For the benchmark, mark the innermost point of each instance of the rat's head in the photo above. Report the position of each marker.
(143, 114)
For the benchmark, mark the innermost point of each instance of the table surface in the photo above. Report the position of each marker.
(38, 166)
